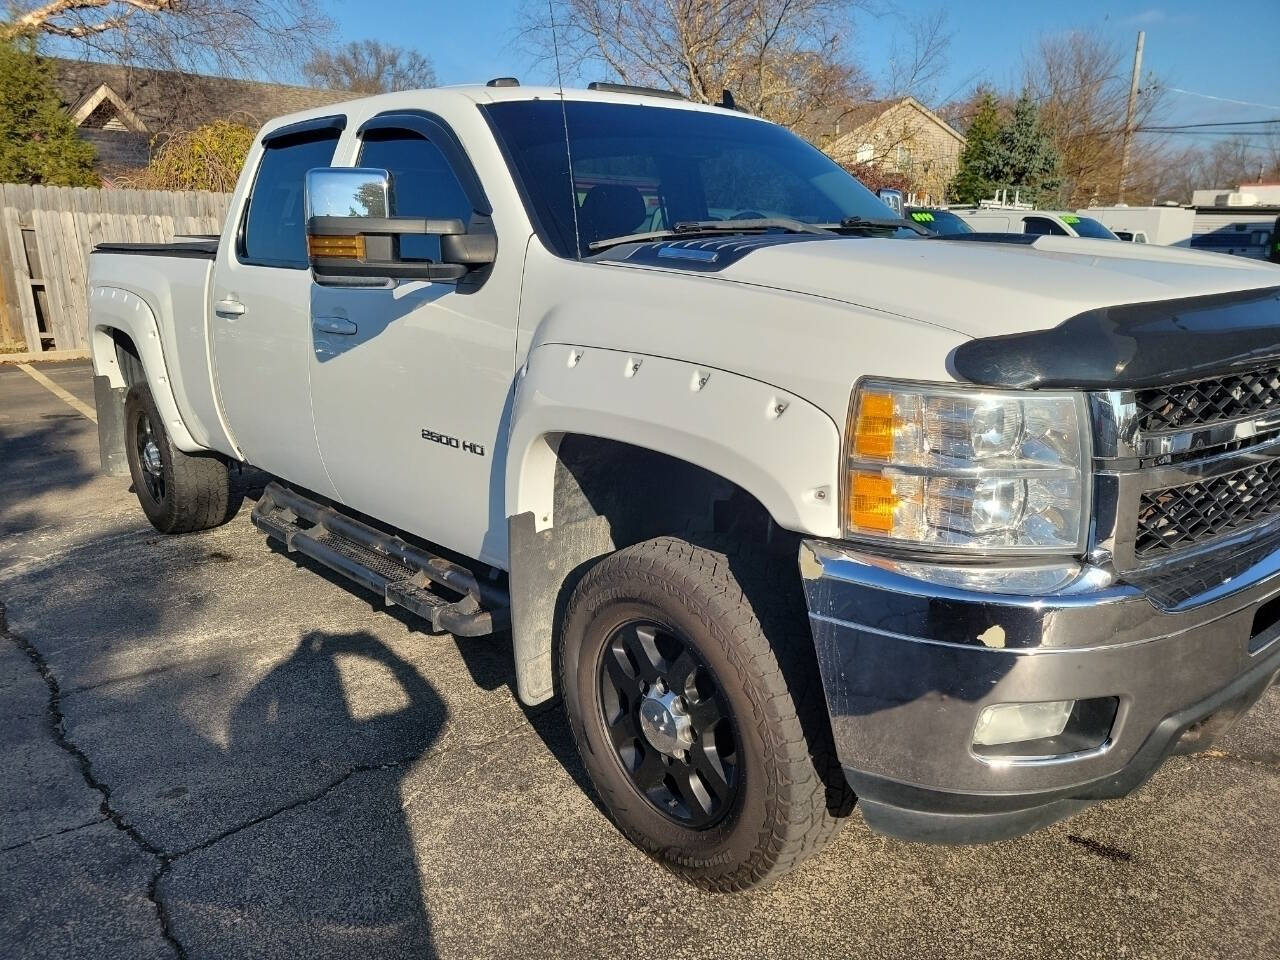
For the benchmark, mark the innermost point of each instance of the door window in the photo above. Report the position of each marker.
(422, 184)
(1042, 225)
(274, 234)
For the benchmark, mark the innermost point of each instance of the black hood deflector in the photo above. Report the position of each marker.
(1133, 345)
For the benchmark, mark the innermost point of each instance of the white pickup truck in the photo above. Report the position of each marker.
(788, 502)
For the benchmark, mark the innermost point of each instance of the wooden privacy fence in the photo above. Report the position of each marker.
(46, 234)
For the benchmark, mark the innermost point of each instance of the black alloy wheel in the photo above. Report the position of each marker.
(669, 722)
(149, 458)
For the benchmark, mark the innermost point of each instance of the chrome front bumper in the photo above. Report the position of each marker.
(910, 655)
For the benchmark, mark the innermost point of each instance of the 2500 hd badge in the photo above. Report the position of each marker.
(445, 440)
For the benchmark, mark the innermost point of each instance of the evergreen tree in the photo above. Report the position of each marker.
(1024, 159)
(38, 141)
(973, 180)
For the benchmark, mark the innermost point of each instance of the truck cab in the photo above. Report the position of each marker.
(789, 501)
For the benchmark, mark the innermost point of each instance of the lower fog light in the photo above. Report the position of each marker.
(1017, 722)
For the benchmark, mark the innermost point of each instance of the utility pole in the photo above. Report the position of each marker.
(1128, 124)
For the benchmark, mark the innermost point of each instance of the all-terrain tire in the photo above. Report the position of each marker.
(743, 614)
(190, 492)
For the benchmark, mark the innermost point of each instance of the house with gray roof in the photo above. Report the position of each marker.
(123, 110)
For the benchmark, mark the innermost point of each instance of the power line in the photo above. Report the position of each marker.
(1210, 96)
(1215, 133)
(1173, 127)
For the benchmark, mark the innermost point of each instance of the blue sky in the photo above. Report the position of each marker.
(1228, 51)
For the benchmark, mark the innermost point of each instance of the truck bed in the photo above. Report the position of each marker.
(158, 294)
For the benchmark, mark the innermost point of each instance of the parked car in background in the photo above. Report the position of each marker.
(1054, 223)
(936, 220)
(1167, 226)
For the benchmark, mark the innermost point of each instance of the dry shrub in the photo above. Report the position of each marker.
(206, 158)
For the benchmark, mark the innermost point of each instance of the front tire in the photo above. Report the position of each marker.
(179, 492)
(692, 690)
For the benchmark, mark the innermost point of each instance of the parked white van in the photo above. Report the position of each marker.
(1059, 223)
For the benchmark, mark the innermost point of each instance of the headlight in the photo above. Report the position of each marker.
(966, 469)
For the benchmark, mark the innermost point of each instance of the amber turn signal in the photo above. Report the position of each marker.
(345, 248)
(873, 427)
(871, 502)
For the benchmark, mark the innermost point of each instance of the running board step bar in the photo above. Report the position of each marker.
(447, 595)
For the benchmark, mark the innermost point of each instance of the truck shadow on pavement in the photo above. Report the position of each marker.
(260, 777)
(333, 872)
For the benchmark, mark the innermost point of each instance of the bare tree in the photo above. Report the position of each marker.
(782, 59)
(1080, 82)
(212, 36)
(370, 66)
(1236, 160)
(916, 62)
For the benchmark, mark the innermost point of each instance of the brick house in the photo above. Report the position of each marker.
(901, 135)
(121, 110)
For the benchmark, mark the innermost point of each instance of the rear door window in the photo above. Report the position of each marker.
(274, 234)
(1042, 226)
(422, 184)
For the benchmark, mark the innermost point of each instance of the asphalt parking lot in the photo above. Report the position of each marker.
(210, 750)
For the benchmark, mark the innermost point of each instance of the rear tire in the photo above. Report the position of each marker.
(179, 492)
(774, 793)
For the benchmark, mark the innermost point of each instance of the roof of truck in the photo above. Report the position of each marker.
(482, 94)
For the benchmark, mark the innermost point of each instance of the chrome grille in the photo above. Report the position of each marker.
(1177, 517)
(1205, 402)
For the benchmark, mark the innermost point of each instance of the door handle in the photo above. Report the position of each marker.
(228, 308)
(338, 325)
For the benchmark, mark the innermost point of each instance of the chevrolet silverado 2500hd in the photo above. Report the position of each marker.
(788, 502)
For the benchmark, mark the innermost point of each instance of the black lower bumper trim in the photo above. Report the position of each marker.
(933, 826)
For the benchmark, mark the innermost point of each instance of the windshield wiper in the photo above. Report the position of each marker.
(693, 228)
(851, 224)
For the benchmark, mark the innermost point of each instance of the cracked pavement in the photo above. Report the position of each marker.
(214, 751)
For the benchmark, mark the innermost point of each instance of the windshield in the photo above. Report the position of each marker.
(942, 222)
(638, 169)
(1088, 227)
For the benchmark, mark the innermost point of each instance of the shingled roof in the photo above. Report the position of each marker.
(833, 122)
(102, 95)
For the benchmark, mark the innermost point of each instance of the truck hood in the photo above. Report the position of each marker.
(813, 315)
(982, 289)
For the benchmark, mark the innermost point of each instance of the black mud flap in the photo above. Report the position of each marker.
(109, 401)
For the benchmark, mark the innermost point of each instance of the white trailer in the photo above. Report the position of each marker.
(1242, 222)
(1167, 226)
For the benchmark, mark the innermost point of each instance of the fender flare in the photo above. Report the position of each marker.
(112, 308)
(778, 447)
